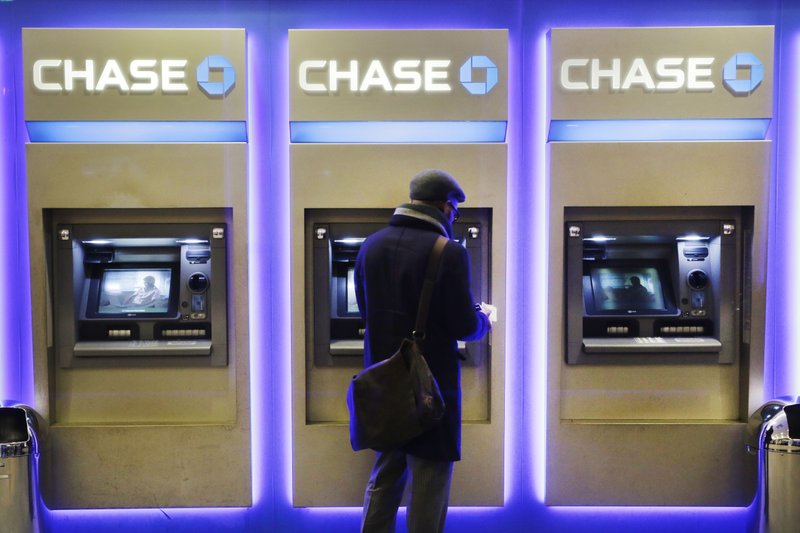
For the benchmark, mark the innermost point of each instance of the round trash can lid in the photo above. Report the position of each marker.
(782, 432)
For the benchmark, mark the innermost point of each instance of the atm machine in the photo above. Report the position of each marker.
(139, 294)
(333, 239)
(654, 291)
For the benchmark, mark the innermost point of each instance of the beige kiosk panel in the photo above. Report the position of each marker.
(106, 422)
(377, 176)
(653, 435)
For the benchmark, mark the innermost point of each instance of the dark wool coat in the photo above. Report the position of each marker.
(390, 269)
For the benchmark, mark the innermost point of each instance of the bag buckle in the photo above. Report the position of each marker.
(418, 335)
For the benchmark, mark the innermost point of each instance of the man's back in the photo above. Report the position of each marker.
(390, 271)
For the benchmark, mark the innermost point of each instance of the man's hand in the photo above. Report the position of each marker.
(488, 310)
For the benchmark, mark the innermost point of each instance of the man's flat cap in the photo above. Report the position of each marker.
(434, 185)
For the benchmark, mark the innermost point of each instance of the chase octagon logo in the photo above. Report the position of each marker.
(740, 62)
(482, 63)
(221, 65)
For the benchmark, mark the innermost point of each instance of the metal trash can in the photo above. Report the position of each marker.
(774, 435)
(19, 453)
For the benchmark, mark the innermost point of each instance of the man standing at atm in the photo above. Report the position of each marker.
(390, 269)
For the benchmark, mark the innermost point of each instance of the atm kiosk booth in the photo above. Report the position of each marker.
(658, 201)
(137, 225)
(356, 144)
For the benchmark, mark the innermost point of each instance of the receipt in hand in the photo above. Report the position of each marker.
(490, 310)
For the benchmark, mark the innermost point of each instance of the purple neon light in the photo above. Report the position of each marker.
(138, 519)
(281, 265)
(785, 363)
(6, 386)
(514, 454)
(259, 398)
(536, 292)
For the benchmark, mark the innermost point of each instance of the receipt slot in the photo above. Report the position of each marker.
(653, 291)
(334, 238)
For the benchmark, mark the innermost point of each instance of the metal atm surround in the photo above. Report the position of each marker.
(333, 238)
(697, 253)
(192, 331)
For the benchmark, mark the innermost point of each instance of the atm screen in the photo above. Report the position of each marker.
(134, 292)
(627, 289)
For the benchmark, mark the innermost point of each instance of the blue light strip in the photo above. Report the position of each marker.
(723, 129)
(399, 132)
(11, 370)
(260, 422)
(136, 131)
(782, 370)
(535, 291)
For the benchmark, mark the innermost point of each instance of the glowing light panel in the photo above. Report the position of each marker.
(785, 367)
(398, 132)
(536, 340)
(8, 362)
(133, 132)
(723, 129)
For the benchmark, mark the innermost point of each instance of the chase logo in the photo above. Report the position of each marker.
(744, 60)
(478, 87)
(216, 64)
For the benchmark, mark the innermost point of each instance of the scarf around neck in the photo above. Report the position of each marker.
(426, 213)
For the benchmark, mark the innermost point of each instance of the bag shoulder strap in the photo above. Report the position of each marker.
(434, 260)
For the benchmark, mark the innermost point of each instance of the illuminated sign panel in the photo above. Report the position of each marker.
(398, 76)
(121, 75)
(661, 73)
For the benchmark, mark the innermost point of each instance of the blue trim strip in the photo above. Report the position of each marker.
(721, 129)
(136, 131)
(399, 132)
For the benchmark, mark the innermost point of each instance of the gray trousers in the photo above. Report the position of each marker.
(429, 493)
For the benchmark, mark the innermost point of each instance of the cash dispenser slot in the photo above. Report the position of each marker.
(142, 348)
